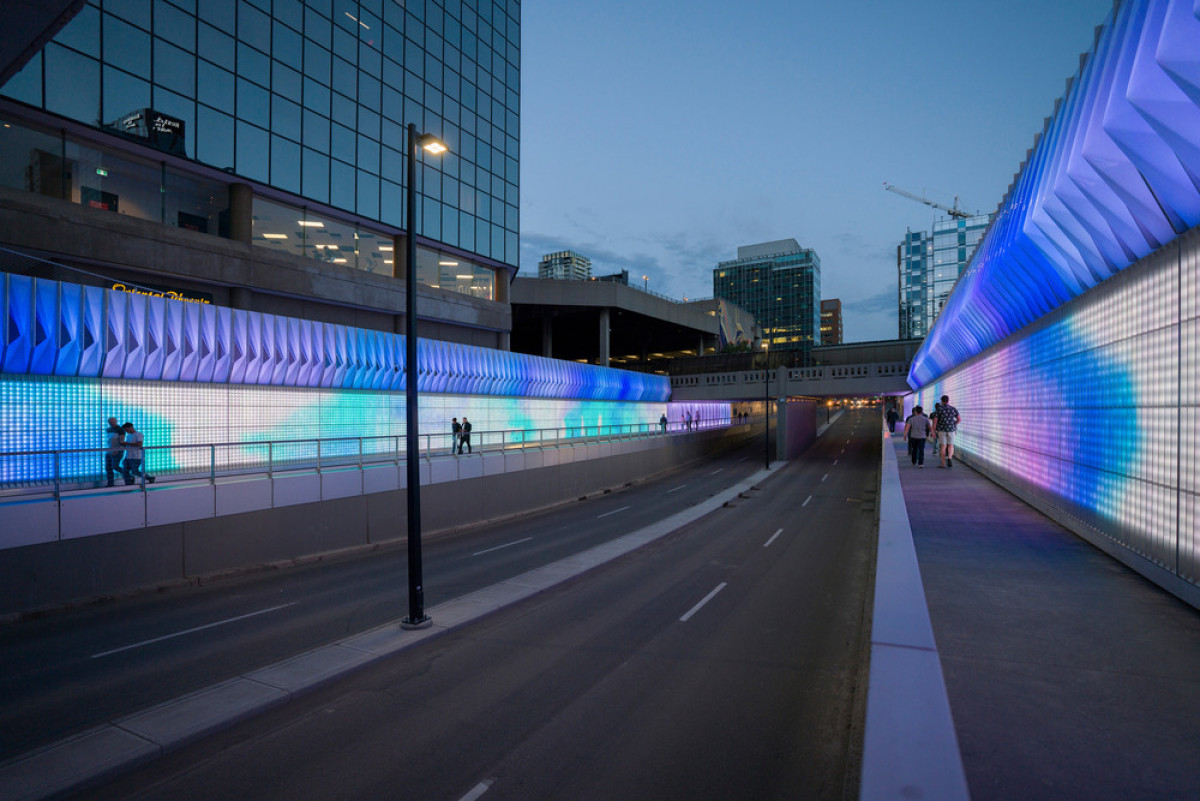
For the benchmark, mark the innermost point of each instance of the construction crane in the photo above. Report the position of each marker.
(955, 212)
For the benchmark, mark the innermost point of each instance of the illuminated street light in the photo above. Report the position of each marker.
(416, 591)
(767, 403)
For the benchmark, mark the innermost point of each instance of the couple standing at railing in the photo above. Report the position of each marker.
(461, 433)
(125, 453)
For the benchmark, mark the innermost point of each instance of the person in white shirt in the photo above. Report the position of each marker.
(132, 466)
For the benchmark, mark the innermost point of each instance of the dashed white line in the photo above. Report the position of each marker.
(744, 458)
(767, 544)
(806, 500)
(824, 477)
(718, 470)
(703, 601)
(835, 461)
(478, 790)
(190, 631)
(613, 512)
(498, 547)
(681, 486)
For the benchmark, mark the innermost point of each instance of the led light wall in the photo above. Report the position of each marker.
(1094, 410)
(1114, 176)
(54, 328)
(190, 375)
(47, 413)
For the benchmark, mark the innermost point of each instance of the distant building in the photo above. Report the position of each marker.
(565, 265)
(929, 264)
(616, 278)
(779, 283)
(831, 322)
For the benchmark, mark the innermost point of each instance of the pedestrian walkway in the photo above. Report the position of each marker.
(1068, 675)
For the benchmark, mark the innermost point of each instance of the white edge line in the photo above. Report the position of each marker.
(806, 500)
(498, 547)
(718, 470)
(478, 790)
(703, 601)
(613, 512)
(189, 631)
(773, 536)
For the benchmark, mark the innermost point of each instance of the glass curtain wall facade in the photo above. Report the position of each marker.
(309, 98)
(782, 291)
(929, 264)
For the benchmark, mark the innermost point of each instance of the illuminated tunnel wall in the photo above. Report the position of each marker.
(1070, 343)
(188, 373)
(1094, 412)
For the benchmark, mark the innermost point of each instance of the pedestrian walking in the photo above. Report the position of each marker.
(892, 417)
(946, 424)
(131, 467)
(662, 422)
(917, 429)
(115, 442)
(455, 435)
(466, 435)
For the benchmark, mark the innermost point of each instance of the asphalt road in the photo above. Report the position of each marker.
(64, 673)
(727, 660)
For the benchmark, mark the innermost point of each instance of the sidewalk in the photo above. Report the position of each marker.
(1069, 675)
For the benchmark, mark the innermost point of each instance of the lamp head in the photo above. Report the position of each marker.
(431, 144)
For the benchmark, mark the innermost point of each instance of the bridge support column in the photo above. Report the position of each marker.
(548, 336)
(604, 338)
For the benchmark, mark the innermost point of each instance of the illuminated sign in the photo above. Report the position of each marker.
(159, 130)
(156, 292)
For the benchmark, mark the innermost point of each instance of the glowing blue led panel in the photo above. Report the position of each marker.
(1114, 176)
(1094, 409)
(68, 330)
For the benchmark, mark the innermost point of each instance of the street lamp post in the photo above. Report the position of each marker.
(646, 283)
(416, 592)
(767, 404)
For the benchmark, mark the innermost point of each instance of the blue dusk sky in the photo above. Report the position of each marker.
(659, 136)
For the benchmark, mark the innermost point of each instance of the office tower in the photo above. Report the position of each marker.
(831, 322)
(779, 283)
(929, 264)
(565, 265)
(253, 154)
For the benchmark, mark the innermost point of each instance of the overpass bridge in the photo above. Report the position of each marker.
(876, 378)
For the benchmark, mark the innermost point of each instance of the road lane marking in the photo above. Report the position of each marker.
(190, 631)
(806, 500)
(718, 470)
(843, 450)
(744, 458)
(824, 477)
(773, 536)
(681, 486)
(835, 461)
(613, 512)
(478, 790)
(703, 601)
(498, 547)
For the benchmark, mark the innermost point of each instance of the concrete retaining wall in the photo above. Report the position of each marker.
(69, 570)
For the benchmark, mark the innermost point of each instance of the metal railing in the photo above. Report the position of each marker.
(80, 469)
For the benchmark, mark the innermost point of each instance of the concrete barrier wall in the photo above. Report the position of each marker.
(52, 573)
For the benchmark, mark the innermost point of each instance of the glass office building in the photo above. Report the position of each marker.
(779, 283)
(282, 122)
(929, 264)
